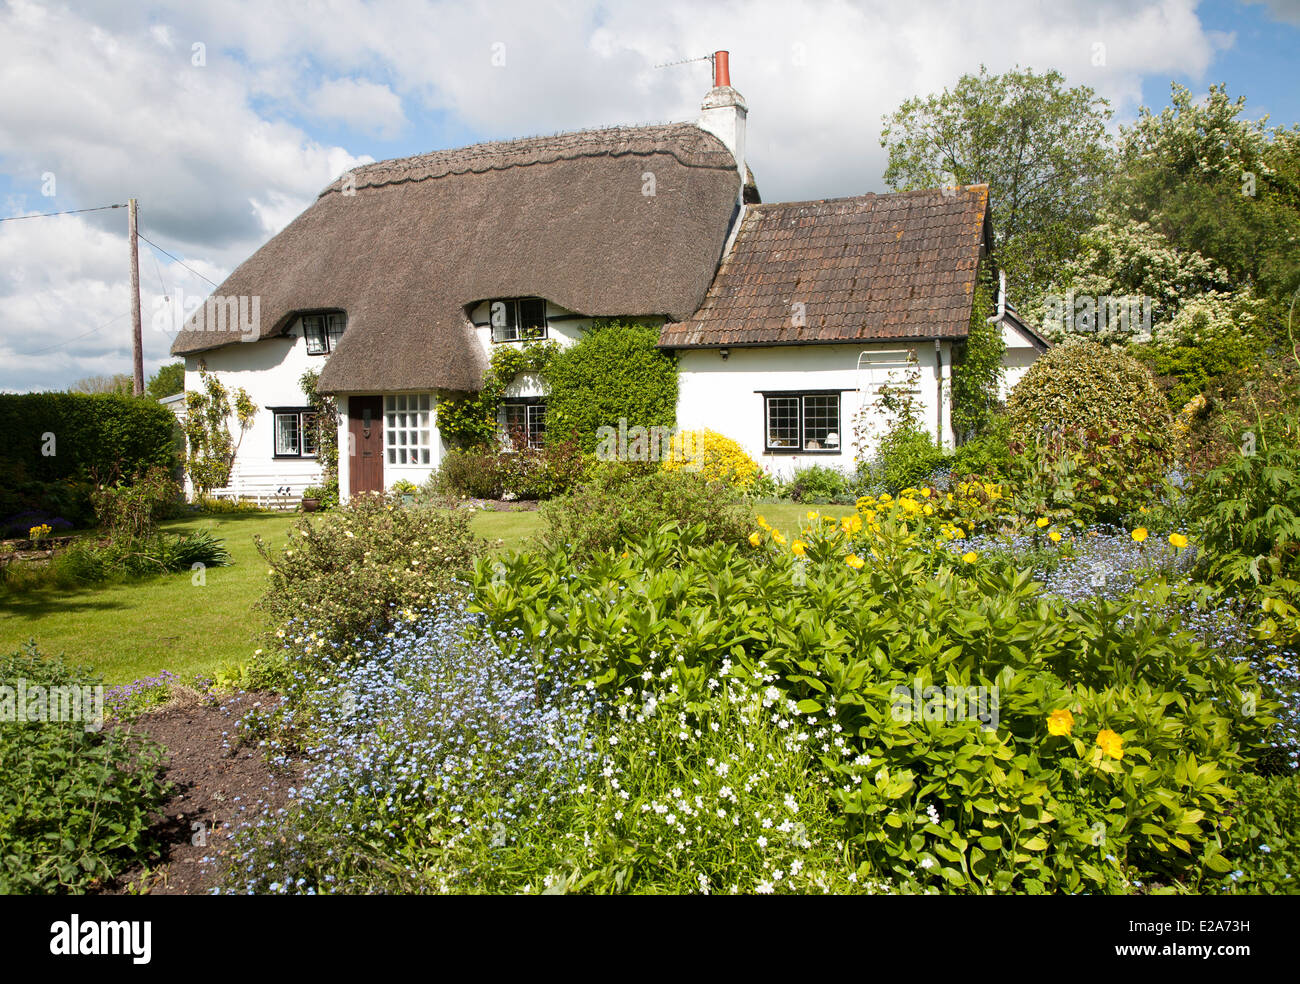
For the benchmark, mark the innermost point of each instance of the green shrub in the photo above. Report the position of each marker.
(53, 436)
(496, 473)
(818, 484)
(1079, 387)
(987, 456)
(75, 802)
(616, 371)
(132, 510)
(1129, 792)
(907, 457)
(620, 503)
(1260, 844)
(351, 574)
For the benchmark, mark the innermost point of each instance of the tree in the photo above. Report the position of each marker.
(1041, 148)
(1212, 182)
(167, 381)
(119, 383)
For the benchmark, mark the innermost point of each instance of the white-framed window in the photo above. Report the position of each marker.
(525, 422)
(802, 423)
(408, 429)
(323, 331)
(295, 432)
(517, 319)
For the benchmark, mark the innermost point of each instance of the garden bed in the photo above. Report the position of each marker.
(215, 784)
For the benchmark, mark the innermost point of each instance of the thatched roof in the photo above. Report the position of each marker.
(423, 238)
(873, 267)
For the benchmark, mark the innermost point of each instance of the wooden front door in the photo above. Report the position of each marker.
(366, 427)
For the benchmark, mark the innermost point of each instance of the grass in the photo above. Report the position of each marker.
(135, 629)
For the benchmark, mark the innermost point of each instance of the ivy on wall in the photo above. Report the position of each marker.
(977, 366)
(471, 421)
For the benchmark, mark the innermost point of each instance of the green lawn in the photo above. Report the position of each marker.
(135, 629)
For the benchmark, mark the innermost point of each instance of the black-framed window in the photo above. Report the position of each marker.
(323, 331)
(294, 432)
(517, 319)
(525, 421)
(802, 423)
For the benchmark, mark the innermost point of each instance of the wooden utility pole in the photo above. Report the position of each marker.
(137, 339)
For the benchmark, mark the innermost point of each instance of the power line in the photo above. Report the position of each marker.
(79, 337)
(71, 211)
(176, 258)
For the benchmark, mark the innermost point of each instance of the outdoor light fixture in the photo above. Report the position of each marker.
(724, 352)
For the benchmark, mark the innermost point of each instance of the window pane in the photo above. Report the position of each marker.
(309, 433)
(334, 325)
(532, 318)
(502, 315)
(389, 404)
(783, 421)
(313, 329)
(536, 424)
(821, 423)
(286, 433)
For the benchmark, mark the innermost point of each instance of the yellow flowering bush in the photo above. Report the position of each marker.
(716, 457)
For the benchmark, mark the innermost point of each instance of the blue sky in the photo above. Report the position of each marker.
(223, 151)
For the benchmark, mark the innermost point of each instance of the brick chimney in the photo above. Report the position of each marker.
(723, 114)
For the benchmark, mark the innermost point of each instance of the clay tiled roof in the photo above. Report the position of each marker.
(897, 266)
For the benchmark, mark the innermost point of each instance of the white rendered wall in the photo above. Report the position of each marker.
(268, 370)
(1021, 353)
(726, 395)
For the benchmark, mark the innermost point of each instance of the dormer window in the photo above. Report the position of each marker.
(323, 331)
(517, 319)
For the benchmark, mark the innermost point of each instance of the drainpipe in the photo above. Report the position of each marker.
(1002, 299)
(938, 382)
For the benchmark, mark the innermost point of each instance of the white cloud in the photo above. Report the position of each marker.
(221, 156)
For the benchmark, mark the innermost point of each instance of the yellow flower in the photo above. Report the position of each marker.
(778, 539)
(755, 538)
(1110, 743)
(927, 491)
(1178, 540)
(929, 509)
(1042, 521)
(958, 532)
(812, 513)
(1054, 536)
(797, 548)
(1060, 722)
(626, 554)
(762, 522)
(970, 557)
(854, 561)
(1139, 534)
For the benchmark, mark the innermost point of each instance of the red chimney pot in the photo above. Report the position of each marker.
(721, 73)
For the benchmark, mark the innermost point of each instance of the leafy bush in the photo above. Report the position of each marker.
(987, 456)
(906, 456)
(351, 574)
(1260, 845)
(1080, 387)
(132, 510)
(497, 473)
(616, 371)
(55, 436)
(1127, 787)
(716, 457)
(618, 504)
(817, 484)
(75, 802)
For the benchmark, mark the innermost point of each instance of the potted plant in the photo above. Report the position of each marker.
(311, 497)
(406, 490)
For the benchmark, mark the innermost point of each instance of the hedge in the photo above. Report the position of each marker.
(615, 371)
(90, 436)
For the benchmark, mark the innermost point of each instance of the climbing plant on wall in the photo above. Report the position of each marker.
(977, 367)
(470, 421)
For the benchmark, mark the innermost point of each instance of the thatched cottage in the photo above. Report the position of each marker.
(401, 278)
